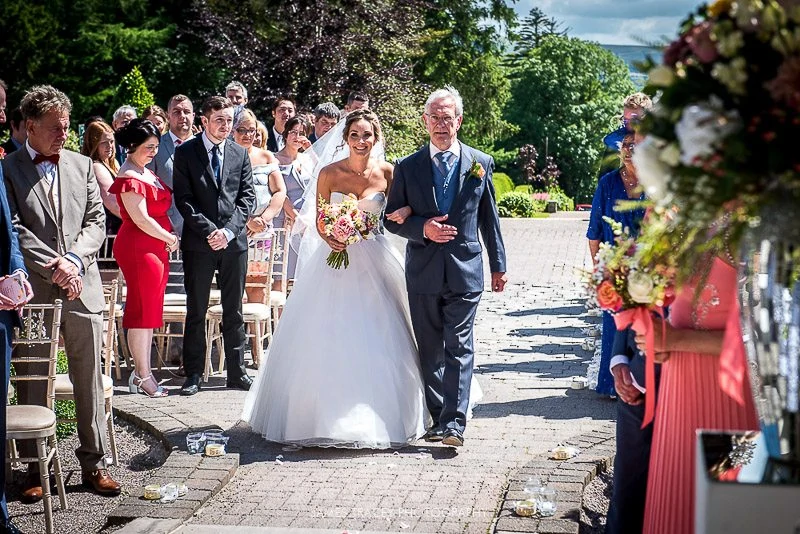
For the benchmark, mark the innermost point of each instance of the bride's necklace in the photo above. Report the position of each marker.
(367, 171)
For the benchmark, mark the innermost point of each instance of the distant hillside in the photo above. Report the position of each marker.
(631, 54)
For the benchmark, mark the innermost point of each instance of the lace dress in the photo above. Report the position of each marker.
(690, 398)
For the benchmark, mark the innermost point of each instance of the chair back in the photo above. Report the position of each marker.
(175, 280)
(41, 326)
(109, 270)
(259, 268)
(110, 292)
(280, 257)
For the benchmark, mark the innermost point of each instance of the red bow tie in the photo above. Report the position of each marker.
(41, 159)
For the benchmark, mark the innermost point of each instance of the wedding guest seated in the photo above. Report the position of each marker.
(268, 183)
(142, 247)
(99, 145)
(326, 116)
(157, 116)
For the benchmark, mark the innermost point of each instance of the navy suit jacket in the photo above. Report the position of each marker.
(457, 264)
(10, 256)
(206, 207)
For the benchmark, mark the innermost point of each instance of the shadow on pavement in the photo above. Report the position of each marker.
(572, 311)
(585, 402)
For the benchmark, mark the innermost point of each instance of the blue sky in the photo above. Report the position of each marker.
(615, 22)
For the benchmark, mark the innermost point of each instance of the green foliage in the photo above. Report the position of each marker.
(502, 184)
(65, 409)
(533, 29)
(527, 189)
(73, 142)
(133, 91)
(558, 196)
(566, 95)
(516, 204)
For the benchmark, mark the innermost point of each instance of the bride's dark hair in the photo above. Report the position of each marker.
(362, 114)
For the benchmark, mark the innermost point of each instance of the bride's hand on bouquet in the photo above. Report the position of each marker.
(336, 246)
(400, 215)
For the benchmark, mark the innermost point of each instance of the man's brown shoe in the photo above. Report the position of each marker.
(101, 482)
(31, 489)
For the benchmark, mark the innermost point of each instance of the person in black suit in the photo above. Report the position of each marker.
(213, 188)
(632, 461)
(326, 115)
(283, 109)
(18, 133)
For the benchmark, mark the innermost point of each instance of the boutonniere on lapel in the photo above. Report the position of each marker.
(2, 153)
(476, 170)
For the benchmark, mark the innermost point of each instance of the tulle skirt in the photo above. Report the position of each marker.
(342, 369)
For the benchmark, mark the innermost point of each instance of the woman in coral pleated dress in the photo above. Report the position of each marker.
(691, 395)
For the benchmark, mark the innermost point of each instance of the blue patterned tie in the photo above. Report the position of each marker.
(215, 166)
(444, 167)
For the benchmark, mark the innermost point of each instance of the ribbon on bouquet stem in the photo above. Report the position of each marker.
(641, 320)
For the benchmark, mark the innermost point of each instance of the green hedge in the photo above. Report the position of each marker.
(502, 184)
(516, 204)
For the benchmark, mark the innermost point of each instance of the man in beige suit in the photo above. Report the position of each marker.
(56, 208)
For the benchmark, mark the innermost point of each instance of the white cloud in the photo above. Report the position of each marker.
(615, 21)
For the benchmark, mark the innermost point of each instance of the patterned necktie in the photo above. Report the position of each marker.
(445, 164)
(215, 166)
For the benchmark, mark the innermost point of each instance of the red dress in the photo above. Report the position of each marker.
(690, 398)
(144, 260)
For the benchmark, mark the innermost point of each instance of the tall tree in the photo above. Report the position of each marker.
(566, 97)
(461, 47)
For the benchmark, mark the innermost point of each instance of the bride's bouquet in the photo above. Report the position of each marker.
(347, 224)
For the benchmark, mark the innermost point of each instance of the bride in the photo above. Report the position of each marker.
(342, 369)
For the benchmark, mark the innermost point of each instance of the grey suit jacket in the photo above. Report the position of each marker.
(162, 167)
(457, 264)
(82, 225)
(205, 206)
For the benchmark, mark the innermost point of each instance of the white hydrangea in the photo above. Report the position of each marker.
(654, 174)
(702, 127)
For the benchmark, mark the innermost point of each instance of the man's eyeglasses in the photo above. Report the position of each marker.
(246, 131)
(436, 119)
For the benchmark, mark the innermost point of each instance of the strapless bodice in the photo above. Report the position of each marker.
(373, 203)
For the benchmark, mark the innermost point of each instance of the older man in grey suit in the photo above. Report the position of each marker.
(56, 209)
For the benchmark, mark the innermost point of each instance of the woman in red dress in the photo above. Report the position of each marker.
(691, 397)
(142, 247)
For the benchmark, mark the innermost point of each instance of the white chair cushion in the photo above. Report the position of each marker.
(277, 298)
(174, 314)
(254, 311)
(65, 391)
(215, 297)
(29, 422)
(215, 311)
(174, 299)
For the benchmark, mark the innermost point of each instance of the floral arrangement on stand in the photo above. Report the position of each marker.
(721, 143)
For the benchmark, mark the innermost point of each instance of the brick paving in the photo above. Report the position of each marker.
(527, 351)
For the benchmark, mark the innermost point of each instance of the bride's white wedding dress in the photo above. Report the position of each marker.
(342, 369)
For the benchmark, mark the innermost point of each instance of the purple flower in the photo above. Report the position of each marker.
(701, 44)
(785, 88)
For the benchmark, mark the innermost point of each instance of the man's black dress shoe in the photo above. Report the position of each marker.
(191, 386)
(434, 433)
(7, 527)
(242, 382)
(453, 438)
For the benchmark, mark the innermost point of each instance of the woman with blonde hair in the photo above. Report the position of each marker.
(157, 116)
(99, 145)
(260, 139)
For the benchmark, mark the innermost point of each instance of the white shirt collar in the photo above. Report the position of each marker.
(278, 135)
(209, 145)
(31, 152)
(175, 139)
(455, 148)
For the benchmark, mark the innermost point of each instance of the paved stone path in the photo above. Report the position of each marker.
(527, 351)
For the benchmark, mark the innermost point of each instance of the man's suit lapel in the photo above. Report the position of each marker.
(37, 183)
(227, 161)
(467, 155)
(425, 176)
(169, 147)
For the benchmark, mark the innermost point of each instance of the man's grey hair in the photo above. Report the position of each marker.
(447, 92)
(236, 86)
(327, 109)
(3, 85)
(124, 110)
(43, 99)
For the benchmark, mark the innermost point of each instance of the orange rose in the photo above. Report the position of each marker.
(608, 298)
